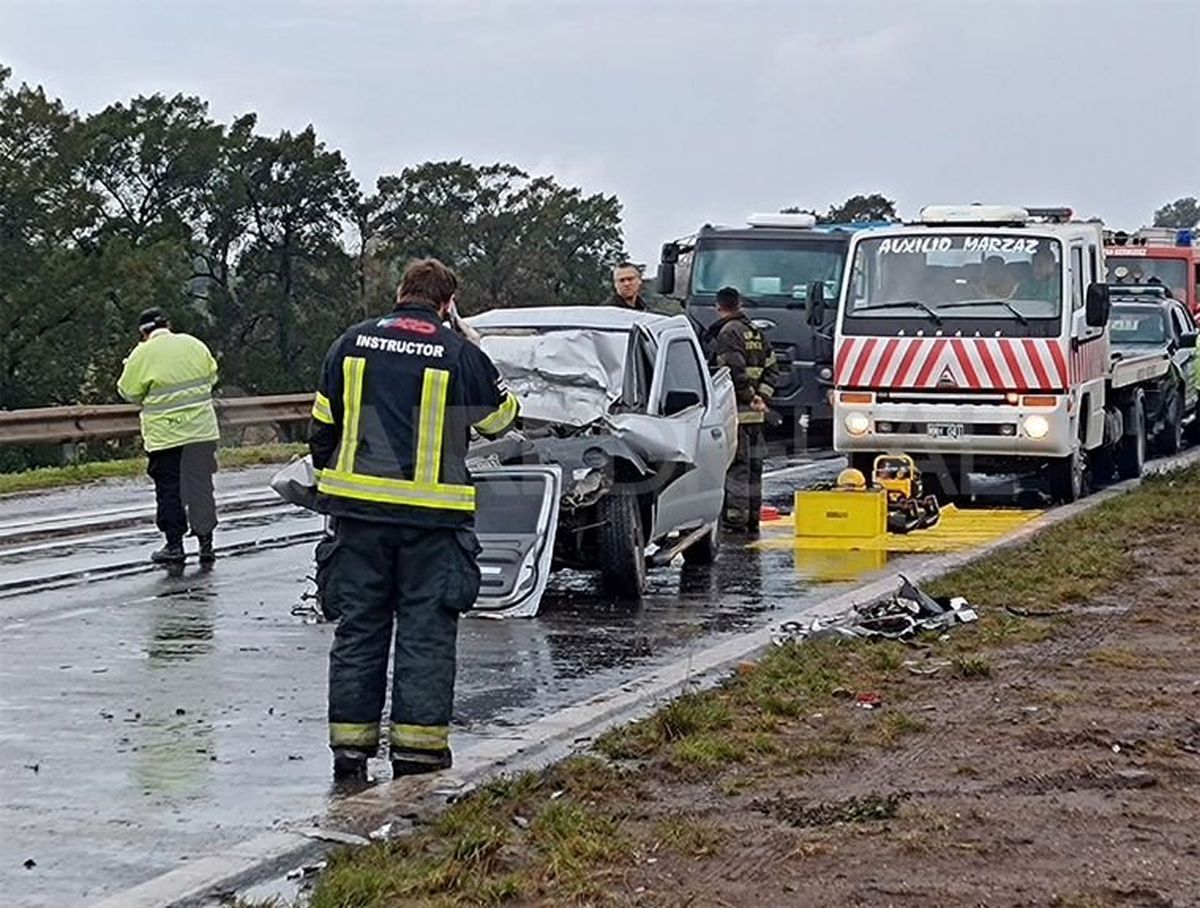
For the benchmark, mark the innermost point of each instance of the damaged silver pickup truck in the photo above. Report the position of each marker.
(621, 457)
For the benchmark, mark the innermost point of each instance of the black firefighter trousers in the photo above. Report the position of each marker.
(743, 482)
(183, 489)
(411, 583)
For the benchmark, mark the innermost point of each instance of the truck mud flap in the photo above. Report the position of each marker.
(516, 520)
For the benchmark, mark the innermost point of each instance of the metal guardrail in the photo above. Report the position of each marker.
(55, 425)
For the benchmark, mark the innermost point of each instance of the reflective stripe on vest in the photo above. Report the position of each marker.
(424, 490)
(499, 419)
(321, 409)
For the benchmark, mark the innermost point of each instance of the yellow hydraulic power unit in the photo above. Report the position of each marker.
(849, 511)
(909, 508)
(894, 502)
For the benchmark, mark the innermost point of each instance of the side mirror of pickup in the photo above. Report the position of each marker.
(678, 401)
(1187, 341)
(816, 304)
(1097, 306)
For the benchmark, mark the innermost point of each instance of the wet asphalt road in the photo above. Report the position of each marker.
(150, 718)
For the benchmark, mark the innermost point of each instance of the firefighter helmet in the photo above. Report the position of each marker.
(851, 479)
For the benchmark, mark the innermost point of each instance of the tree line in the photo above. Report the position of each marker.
(265, 246)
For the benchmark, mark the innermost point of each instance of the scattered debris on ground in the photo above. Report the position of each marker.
(908, 612)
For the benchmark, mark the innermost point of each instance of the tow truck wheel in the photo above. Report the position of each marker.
(621, 546)
(1066, 475)
(705, 549)
(1131, 449)
(1171, 439)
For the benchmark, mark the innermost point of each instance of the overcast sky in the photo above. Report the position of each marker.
(688, 111)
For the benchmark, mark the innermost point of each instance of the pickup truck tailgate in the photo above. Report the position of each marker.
(516, 518)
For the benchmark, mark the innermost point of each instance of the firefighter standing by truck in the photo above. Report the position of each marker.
(752, 366)
(391, 422)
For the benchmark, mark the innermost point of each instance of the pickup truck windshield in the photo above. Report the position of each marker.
(990, 276)
(768, 273)
(1137, 325)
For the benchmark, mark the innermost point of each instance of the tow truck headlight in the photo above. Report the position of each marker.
(857, 424)
(1036, 427)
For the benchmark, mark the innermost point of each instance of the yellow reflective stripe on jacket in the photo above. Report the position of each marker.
(354, 734)
(321, 409)
(749, 417)
(501, 418)
(353, 368)
(754, 373)
(765, 391)
(383, 490)
(420, 737)
(427, 468)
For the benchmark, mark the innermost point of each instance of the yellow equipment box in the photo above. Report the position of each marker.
(844, 514)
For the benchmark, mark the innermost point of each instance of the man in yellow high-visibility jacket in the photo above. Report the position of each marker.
(172, 376)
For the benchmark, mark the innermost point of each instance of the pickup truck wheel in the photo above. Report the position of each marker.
(1170, 441)
(705, 549)
(1131, 449)
(621, 546)
(1066, 475)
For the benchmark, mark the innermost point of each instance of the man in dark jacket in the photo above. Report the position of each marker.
(752, 366)
(391, 422)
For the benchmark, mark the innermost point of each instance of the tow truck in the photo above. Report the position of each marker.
(975, 340)
(776, 262)
(1164, 256)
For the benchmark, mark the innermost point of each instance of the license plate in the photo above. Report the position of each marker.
(945, 430)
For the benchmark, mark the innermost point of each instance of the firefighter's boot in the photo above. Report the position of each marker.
(207, 555)
(171, 553)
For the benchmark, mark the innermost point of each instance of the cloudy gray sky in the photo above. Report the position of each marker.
(689, 111)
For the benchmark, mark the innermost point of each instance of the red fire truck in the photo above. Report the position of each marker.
(1157, 255)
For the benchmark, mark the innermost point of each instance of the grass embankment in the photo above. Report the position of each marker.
(584, 830)
(78, 474)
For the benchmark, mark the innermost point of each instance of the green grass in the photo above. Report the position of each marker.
(79, 474)
(584, 822)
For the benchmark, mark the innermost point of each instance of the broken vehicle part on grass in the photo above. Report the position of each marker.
(906, 612)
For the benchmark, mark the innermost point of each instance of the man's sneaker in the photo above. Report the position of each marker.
(207, 555)
(171, 553)
(416, 762)
(349, 765)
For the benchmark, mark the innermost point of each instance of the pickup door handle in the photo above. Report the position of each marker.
(717, 433)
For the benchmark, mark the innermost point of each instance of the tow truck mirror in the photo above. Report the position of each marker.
(816, 304)
(1098, 306)
(666, 278)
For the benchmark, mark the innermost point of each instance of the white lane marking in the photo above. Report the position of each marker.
(802, 468)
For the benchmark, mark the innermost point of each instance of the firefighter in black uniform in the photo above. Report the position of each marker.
(391, 422)
(742, 347)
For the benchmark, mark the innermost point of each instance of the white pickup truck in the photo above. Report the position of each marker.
(976, 341)
(621, 457)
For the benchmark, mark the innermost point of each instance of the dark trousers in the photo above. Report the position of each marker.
(183, 489)
(386, 581)
(743, 482)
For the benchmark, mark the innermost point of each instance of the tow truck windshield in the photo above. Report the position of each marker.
(767, 274)
(942, 276)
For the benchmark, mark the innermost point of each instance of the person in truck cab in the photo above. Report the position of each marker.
(1043, 283)
(995, 282)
